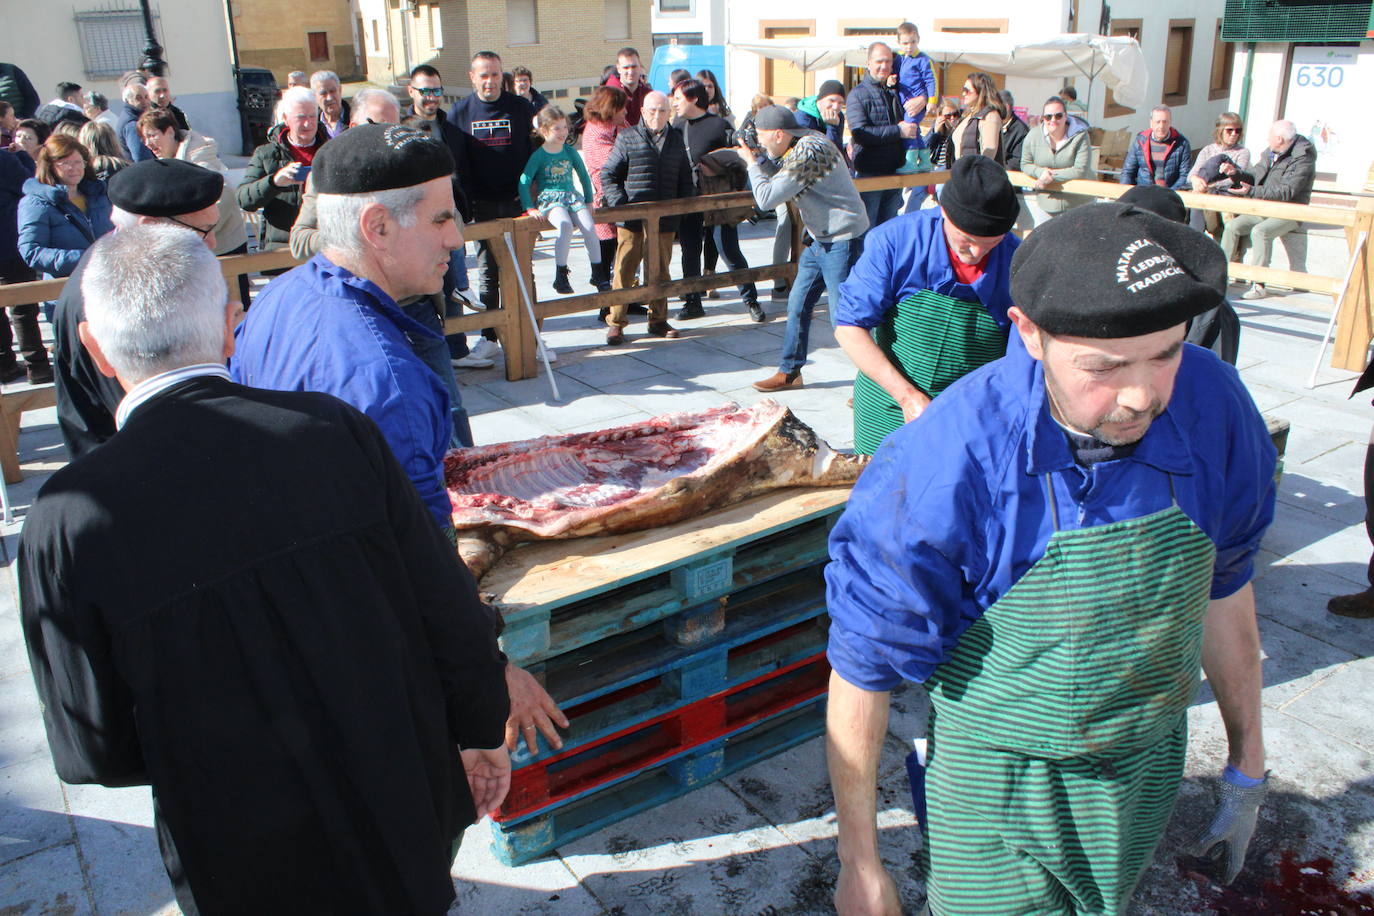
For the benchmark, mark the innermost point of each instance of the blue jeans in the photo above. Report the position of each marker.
(822, 265)
(881, 206)
(456, 278)
(434, 354)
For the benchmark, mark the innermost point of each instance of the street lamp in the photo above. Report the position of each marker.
(153, 63)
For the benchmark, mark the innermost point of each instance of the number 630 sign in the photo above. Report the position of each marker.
(1318, 76)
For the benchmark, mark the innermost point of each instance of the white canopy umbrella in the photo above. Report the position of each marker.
(1117, 61)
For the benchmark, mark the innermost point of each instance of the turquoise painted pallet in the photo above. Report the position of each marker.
(621, 681)
(517, 842)
(556, 597)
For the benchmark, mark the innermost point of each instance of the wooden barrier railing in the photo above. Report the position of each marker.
(1355, 326)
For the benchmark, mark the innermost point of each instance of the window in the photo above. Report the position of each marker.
(1223, 62)
(112, 39)
(883, 30)
(1129, 28)
(675, 6)
(436, 29)
(676, 38)
(782, 78)
(617, 19)
(318, 42)
(376, 36)
(522, 22)
(1178, 60)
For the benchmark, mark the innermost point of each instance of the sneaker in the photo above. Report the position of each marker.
(549, 351)
(486, 349)
(466, 298)
(780, 381)
(1256, 291)
(472, 361)
(780, 293)
(691, 310)
(756, 311)
(12, 372)
(1360, 605)
(40, 374)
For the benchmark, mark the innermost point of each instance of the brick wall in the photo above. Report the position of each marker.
(571, 51)
(273, 34)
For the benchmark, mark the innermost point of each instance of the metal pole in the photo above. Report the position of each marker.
(152, 54)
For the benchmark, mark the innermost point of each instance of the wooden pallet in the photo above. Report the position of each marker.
(620, 682)
(518, 841)
(557, 596)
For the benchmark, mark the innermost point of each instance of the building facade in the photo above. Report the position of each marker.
(92, 42)
(1311, 63)
(1189, 67)
(564, 43)
(306, 35)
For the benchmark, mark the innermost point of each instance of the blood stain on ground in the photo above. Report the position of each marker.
(1296, 888)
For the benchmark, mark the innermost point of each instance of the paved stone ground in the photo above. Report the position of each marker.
(762, 841)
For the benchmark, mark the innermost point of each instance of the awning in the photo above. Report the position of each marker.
(1117, 61)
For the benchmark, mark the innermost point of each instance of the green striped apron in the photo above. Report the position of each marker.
(933, 340)
(1059, 726)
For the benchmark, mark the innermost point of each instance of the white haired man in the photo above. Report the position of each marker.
(273, 180)
(334, 112)
(387, 225)
(295, 679)
(171, 191)
(136, 101)
(1285, 172)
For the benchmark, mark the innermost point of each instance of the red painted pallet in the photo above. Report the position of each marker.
(565, 776)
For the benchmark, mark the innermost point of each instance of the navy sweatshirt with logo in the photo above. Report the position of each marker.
(498, 135)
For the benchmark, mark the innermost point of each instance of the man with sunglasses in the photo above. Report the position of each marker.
(152, 191)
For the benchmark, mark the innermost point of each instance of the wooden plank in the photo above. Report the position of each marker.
(12, 406)
(557, 572)
(1316, 283)
(1355, 310)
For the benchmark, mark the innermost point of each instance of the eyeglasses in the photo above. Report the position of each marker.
(1054, 116)
(203, 233)
(1230, 130)
(432, 91)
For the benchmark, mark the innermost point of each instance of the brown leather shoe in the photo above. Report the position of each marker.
(779, 381)
(1360, 606)
(615, 336)
(663, 329)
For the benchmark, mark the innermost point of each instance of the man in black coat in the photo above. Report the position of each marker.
(879, 133)
(242, 602)
(648, 163)
(152, 191)
(65, 106)
(276, 174)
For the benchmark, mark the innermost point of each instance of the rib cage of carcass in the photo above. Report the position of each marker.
(656, 472)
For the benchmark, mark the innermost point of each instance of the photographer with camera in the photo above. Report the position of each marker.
(812, 170)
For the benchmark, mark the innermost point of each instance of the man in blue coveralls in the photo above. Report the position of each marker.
(388, 225)
(1053, 549)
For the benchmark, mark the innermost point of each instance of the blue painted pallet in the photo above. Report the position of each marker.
(618, 682)
(517, 842)
(558, 596)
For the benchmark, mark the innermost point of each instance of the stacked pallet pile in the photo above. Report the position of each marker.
(679, 655)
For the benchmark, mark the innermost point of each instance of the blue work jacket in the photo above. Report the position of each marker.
(954, 508)
(320, 328)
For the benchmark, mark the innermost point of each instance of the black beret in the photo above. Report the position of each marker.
(1164, 202)
(379, 157)
(979, 199)
(164, 187)
(1111, 270)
